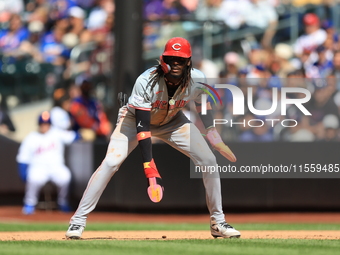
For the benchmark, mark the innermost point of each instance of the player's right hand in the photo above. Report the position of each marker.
(225, 151)
(215, 140)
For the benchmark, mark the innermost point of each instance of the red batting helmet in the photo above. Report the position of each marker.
(310, 19)
(177, 47)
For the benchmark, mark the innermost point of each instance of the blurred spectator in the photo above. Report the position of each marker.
(313, 37)
(257, 76)
(207, 66)
(52, 47)
(54, 27)
(153, 10)
(336, 65)
(168, 9)
(101, 59)
(260, 133)
(10, 6)
(231, 61)
(190, 5)
(59, 8)
(324, 65)
(262, 19)
(60, 117)
(257, 134)
(85, 4)
(32, 46)
(332, 35)
(257, 57)
(230, 11)
(327, 9)
(85, 37)
(76, 16)
(33, 5)
(98, 62)
(74, 91)
(331, 126)
(303, 132)
(283, 54)
(81, 65)
(6, 124)
(295, 79)
(99, 14)
(210, 10)
(11, 39)
(88, 113)
(275, 3)
(38, 26)
(54, 50)
(301, 135)
(151, 35)
(41, 159)
(174, 10)
(320, 105)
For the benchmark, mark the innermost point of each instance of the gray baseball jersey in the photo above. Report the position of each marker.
(169, 124)
(157, 100)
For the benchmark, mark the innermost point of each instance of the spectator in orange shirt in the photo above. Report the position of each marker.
(88, 113)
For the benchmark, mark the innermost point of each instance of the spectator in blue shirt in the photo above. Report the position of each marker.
(52, 48)
(11, 39)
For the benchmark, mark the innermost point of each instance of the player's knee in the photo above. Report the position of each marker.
(62, 182)
(112, 163)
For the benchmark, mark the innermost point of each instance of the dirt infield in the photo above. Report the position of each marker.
(13, 214)
(165, 235)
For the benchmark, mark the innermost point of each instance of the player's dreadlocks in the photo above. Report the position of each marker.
(158, 73)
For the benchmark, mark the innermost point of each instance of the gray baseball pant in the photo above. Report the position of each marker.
(177, 134)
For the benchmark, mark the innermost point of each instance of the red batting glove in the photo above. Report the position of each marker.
(215, 140)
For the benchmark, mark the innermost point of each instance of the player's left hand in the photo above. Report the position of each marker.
(215, 140)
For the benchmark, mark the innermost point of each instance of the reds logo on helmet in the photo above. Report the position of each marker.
(177, 47)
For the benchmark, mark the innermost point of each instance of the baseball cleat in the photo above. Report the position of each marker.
(74, 231)
(28, 209)
(155, 189)
(224, 230)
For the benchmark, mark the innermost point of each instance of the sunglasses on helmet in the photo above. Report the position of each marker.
(171, 59)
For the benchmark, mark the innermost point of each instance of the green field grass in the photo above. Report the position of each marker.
(171, 247)
(167, 247)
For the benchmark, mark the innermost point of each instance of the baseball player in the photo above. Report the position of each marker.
(41, 159)
(155, 107)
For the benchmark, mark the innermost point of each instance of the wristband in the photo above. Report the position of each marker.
(143, 135)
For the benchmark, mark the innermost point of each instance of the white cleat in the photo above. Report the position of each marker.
(74, 231)
(223, 229)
